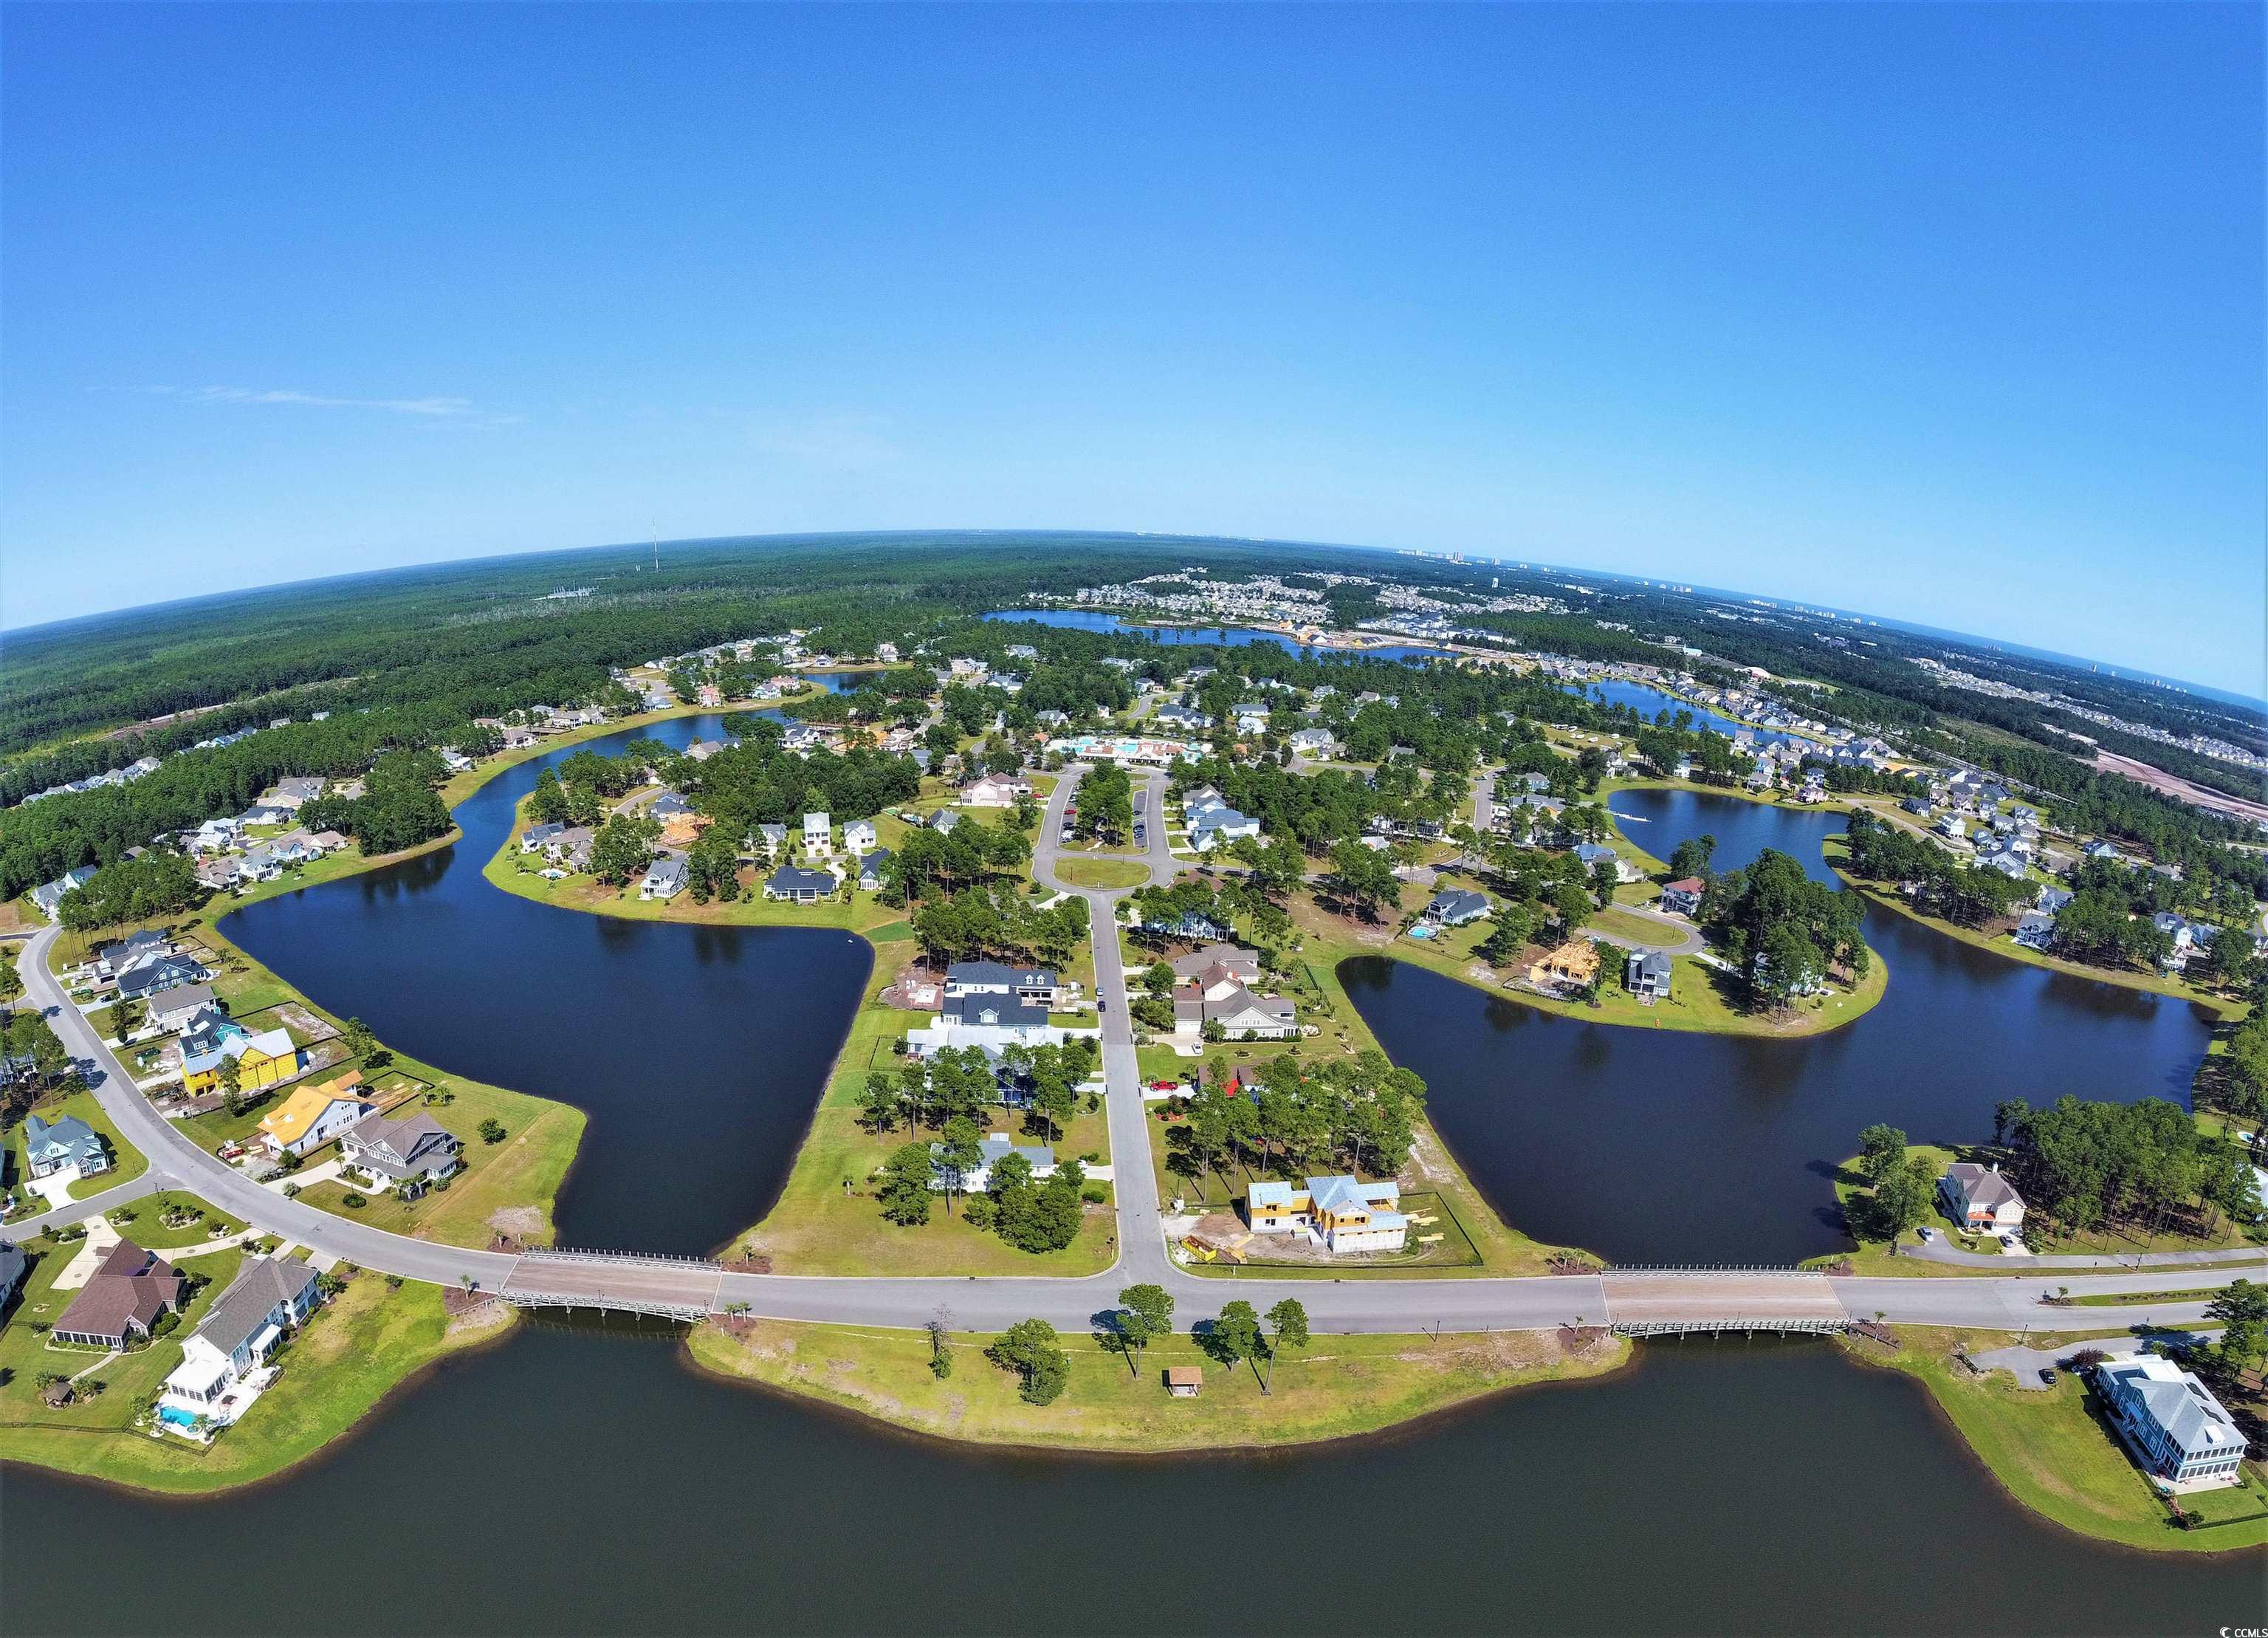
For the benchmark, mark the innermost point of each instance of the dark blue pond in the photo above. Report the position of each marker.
(699, 1052)
(1653, 1145)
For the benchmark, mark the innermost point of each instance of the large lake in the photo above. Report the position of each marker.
(573, 1481)
(1221, 636)
(699, 1052)
(1658, 1146)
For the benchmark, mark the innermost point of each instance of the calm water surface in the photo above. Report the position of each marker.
(1663, 1146)
(699, 1052)
(1179, 636)
(1651, 702)
(574, 1482)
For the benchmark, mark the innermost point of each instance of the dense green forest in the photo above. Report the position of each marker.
(405, 659)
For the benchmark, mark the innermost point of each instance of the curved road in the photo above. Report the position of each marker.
(1355, 1303)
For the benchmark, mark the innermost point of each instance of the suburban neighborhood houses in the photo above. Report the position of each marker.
(1072, 917)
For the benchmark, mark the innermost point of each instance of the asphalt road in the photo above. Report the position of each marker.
(1356, 1302)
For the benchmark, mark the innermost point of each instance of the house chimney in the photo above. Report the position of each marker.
(1996, 1165)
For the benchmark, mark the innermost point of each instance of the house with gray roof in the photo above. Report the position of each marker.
(268, 1297)
(2181, 1434)
(177, 1008)
(990, 1152)
(13, 1266)
(70, 1141)
(49, 895)
(154, 974)
(1647, 974)
(111, 959)
(665, 877)
(1453, 907)
(1979, 1198)
(798, 886)
(870, 869)
(406, 1153)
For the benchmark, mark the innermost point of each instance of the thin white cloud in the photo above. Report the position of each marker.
(437, 408)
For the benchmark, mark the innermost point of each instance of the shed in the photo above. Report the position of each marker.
(1183, 1380)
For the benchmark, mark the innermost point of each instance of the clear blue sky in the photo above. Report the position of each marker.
(1949, 314)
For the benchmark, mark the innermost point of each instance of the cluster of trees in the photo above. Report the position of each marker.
(1106, 805)
(957, 1083)
(153, 886)
(1032, 1214)
(1902, 1186)
(34, 1062)
(2087, 1164)
(1785, 931)
(401, 805)
(39, 842)
(1356, 1115)
(1943, 885)
(756, 782)
(2237, 1080)
(992, 918)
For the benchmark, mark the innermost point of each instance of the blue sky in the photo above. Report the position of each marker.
(1948, 314)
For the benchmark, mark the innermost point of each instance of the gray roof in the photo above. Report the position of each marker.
(2192, 1418)
(266, 1284)
(1005, 1011)
(997, 974)
(70, 1138)
(795, 879)
(184, 995)
(403, 1141)
(13, 1263)
(1982, 1185)
(1457, 902)
(146, 977)
(1650, 963)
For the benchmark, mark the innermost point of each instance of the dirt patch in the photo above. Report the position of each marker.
(517, 1222)
(1583, 1341)
(2183, 790)
(305, 1023)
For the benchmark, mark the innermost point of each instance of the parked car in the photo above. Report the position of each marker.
(2047, 1376)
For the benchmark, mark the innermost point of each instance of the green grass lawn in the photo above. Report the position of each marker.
(144, 1221)
(1336, 1387)
(358, 1348)
(129, 1380)
(127, 1162)
(1622, 924)
(1102, 873)
(2054, 1454)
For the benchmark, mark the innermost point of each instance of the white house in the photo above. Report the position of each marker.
(1979, 1197)
(2183, 1435)
(818, 834)
(664, 878)
(268, 1297)
(990, 1152)
(859, 836)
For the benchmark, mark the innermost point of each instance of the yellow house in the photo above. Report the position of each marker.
(313, 1116)
(261, 1061)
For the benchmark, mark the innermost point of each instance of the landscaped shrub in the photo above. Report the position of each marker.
(353, 1200)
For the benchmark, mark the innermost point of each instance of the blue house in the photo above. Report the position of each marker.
(70, 1141)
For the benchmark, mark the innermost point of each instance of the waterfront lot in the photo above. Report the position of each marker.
(2055, 1454)
(1337, 1386)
